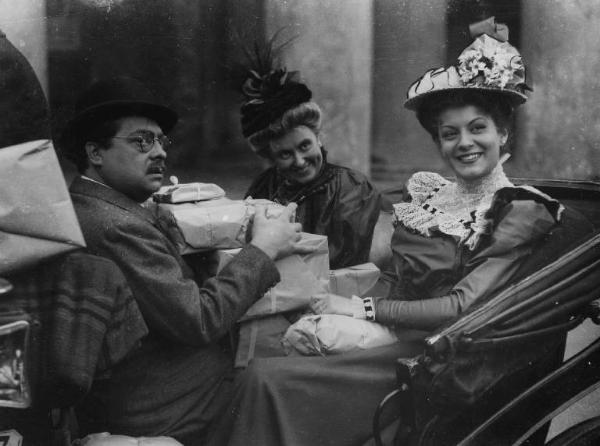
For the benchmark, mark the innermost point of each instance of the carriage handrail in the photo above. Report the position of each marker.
(488, 311)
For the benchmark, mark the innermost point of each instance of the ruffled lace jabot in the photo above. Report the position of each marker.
(490, 183)
(454, 208)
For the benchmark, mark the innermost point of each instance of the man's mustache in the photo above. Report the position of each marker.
(157, 167)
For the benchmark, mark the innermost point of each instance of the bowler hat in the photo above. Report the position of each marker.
(114, 98)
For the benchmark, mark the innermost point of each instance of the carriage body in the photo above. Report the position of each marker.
(498, 374)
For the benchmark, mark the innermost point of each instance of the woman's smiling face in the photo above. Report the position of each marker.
(297, 155)
(469, 141)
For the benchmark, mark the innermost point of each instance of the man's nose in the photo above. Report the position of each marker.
(158, 151)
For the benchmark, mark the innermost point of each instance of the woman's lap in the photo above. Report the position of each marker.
(327, 400)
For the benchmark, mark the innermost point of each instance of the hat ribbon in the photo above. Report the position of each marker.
(498, 31)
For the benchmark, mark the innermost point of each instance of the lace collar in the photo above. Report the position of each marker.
(454, 208)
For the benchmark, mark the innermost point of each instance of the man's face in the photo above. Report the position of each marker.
(123, 165)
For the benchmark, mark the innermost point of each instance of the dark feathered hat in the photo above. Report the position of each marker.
(269, 91)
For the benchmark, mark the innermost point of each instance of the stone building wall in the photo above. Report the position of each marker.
(560, 132)
(333, 53)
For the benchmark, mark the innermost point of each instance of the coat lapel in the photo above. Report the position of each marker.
(89, 188)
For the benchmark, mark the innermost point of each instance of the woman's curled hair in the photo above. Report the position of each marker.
(307, 114)
(497, 105)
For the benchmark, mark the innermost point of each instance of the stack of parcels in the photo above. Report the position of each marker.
(200, 218)
(302, 275)
(265, 322)
(333, 334)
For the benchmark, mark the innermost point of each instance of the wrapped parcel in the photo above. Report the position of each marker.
(188, 193)
(260, 338)
(354, 280)
(37, 219)
(301, 277)
(211, 224)
(324, 334)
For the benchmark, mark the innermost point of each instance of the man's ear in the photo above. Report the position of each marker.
(94, 153)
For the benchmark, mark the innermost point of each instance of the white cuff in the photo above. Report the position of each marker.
(369, 307)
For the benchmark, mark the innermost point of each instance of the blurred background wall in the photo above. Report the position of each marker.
(358, 57)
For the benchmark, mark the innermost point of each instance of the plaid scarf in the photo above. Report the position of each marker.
(85, 320)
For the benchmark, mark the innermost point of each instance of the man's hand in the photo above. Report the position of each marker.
(328, 303)
(277, 237)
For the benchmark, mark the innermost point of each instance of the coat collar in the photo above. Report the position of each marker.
(82, 186)
(298, 193)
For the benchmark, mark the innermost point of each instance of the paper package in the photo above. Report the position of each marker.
(333, 334)
(354, 280)
(205, 225)
(212, 224)
(260, 338)
(188, 192)
(37, 219)
(301, 277)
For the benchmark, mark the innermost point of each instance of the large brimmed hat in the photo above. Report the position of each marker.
(489, 64)
(113, 98)
(23, 106)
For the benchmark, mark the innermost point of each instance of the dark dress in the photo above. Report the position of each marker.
(443, 267)
(340, 203)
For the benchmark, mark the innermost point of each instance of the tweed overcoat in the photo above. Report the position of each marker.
(176, 382)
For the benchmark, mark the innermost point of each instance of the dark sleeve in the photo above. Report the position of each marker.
(175, 306)
(261, 186)
(520, 225)
(353, 221)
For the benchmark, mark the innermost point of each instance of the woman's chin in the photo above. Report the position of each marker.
(303, 178)
(471, 173)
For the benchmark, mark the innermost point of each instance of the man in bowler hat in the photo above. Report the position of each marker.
(177, 382)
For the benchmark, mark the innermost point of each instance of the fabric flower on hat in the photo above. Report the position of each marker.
(491, 63)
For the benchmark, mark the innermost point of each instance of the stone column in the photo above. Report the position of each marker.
(410, 38)
(24, 23)
(333, 53)
(559, 133)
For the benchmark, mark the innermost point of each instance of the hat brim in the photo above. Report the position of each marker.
(162, 115)
(415, 103)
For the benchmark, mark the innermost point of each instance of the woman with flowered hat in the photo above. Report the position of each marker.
(282, 124)
(455, 242)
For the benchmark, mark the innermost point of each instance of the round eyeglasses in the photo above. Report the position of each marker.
(145, 141)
